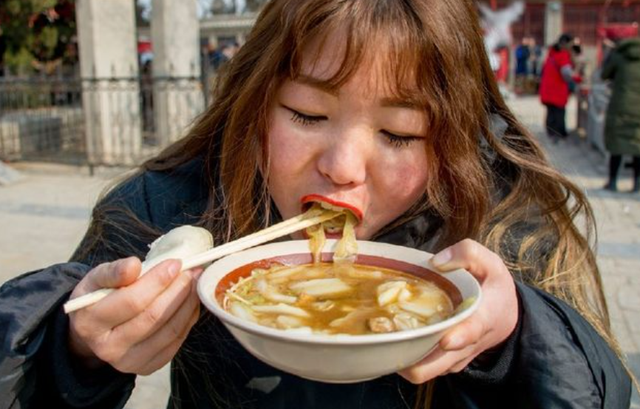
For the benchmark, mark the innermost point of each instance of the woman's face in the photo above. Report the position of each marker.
(359, 145)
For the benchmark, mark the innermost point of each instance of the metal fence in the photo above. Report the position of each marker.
(41, 119)
(111, 121)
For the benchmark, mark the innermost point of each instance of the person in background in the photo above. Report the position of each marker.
(558, 81)
(523, 55)
(622, 125)
(223, 54)
(536, 59)
(608, 45)
(535, 66)
(577, 58)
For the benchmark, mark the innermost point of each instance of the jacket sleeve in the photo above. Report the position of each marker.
(609, 67)
(36, 369)
(554, 359)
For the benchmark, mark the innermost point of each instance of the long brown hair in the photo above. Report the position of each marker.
(438, 44)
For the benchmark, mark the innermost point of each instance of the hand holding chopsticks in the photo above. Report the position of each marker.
(191, 259)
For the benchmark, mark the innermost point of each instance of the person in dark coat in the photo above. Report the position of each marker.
(557, 82)
(523, 54)
(622, 125)
(411, 130)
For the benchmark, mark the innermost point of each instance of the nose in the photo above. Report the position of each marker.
(345, 158)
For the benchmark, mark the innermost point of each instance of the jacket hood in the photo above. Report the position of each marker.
(552, 50)
(630, 49)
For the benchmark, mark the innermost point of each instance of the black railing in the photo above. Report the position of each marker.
(111, 121)
(41, 119)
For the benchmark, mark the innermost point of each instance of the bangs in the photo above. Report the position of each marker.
(382, 35)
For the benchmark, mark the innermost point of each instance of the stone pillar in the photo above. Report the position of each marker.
(109, 70)
(552, 22)
(177, 86)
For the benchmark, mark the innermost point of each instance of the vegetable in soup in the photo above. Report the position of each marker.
(337, 298)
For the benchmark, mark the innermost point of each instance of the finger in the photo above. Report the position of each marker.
(110, 275)
(163, 309)
(155, 352)
(162, 358)
(461, 365)
(84, 323)
(470, 255)
(195, 272)
(177, 330)
(435, 364)
(466, 333)
(126, 303)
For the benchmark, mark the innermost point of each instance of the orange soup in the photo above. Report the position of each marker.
(337, 298)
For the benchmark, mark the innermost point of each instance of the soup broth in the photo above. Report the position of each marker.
(337, 298)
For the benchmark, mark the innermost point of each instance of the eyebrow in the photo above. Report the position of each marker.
(387, 102)
(393, 102)
(316, 83)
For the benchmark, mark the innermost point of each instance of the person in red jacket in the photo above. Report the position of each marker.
(556, 84)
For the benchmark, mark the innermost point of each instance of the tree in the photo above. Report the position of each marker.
(37, 35)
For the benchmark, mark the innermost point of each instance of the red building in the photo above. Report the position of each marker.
(582, 18)
(591, 21)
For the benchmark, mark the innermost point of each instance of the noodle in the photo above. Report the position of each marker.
(339, 297)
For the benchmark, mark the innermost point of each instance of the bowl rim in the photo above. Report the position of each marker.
(243, 258)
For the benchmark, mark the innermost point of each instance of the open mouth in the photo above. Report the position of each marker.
(330, 204)
(333, 228)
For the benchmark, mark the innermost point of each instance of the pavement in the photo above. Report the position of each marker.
(44, 214)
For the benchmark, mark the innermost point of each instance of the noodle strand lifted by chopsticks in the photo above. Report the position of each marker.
(346, 249)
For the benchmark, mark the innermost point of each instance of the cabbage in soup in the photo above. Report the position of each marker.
(339, 297)
(330, 298)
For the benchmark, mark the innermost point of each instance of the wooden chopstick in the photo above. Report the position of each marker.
(284, 228)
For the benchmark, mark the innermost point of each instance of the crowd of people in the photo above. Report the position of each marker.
(214, 55)
(564, 69)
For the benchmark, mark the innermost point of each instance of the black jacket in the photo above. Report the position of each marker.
(554, 359)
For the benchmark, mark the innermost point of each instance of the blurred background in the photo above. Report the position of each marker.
(86, 83)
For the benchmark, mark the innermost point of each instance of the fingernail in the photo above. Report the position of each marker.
(442, 258)
(124, 263)
(174, 269)
(196, 273)
(452, 343)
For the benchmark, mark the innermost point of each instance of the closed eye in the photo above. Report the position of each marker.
(399, 141)
(305, 119)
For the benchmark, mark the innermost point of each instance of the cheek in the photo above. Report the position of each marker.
(407, 179)
(284, 148)
(289, 165)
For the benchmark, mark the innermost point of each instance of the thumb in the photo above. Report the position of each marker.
(470, 255)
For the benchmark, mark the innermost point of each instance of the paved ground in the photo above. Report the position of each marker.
(43, 216)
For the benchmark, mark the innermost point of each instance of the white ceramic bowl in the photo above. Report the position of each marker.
(337, 358)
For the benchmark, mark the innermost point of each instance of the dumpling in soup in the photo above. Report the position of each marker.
(334, 298)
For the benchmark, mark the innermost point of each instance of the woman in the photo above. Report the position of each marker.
(622, 127)
(556, 85)
(383, 106)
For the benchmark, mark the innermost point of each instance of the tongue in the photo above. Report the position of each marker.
(333, 230)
